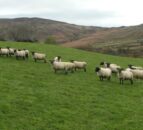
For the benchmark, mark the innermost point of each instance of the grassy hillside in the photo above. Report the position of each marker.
(32, 97)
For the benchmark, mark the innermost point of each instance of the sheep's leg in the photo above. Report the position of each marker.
(35, 60)
(131, 81)
(55, 70)
(66, 72)
(23, 57)
(109, 78)
(75, 68)
(17, 57)
(84, 69)
(45, 61)
(120, 81)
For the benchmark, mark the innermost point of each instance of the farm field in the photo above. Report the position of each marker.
(33, 97)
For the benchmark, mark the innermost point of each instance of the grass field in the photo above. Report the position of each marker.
(33, 97)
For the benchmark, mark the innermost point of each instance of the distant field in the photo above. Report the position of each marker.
(33, 97)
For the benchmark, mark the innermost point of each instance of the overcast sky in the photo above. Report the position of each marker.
(105, 13)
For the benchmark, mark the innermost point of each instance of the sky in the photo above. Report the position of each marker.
(105, 13)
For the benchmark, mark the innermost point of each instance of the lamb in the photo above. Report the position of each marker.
(62, 66)
(114, 67)
(57, 58)
(39, 56)
(135, 67)
(125, 75)
(4, 51)
(20, 54)
(103, 73)
(79, 65)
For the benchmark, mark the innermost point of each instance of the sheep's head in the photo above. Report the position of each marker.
(102, 63)
(51, 61)
(59, 57)
(130, 66)
(97, 69)
(108, 64)
(14, 50)
(120, 69)
(72, 61)
(33, 52)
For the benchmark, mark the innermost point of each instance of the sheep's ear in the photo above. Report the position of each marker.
(102, 63)
(71, 60)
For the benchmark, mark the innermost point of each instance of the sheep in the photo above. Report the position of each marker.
(11, 51)
(39, 56)
(79, 65)
(27, 53)
(114, 67)
(20, 54)
(125, 75)
(135, 67)
(62, 66)
(4, 51)
(138, 74)
(57, 58)
(103, 73)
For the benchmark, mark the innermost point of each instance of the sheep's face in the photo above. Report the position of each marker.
(97, 69)
(14, 50)
(51, 61)
(102, 63)
(33, 52)
(72, 61)
(130, 66)
(108, 64)
(59, 57)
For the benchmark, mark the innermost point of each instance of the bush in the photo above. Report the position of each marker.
(50, 40)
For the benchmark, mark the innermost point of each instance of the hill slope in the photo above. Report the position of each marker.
(121, 41)
(33, 97)
(37, 29)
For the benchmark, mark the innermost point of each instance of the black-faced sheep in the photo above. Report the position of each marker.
(39, 56)
(103, 73)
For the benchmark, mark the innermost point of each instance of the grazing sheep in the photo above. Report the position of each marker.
(57, 58)
(125, 75)
(20, 54)
(103, 73)
(79, 65)
(135, 67)
(39, 56)
(4, 51)
(62, 66)
(114, 67)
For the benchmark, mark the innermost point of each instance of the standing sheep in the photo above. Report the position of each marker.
(39, 56)
(135, 67)
(27, 53)
(57, 58)
(125, 75)
(66, 66)
(20, 54)
(103, 73)
(114, 67)
(79, 65)
(4, 51)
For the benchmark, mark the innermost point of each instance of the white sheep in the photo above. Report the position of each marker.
(11, 51)
(114, 67)
(66, 66)
(20, 54)
(135, 67)
(39, 56)
(27, 53)
(57, 58)
(103, 73)
(125, 75)
(4, 51)
(80, 65)
(138, 74)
